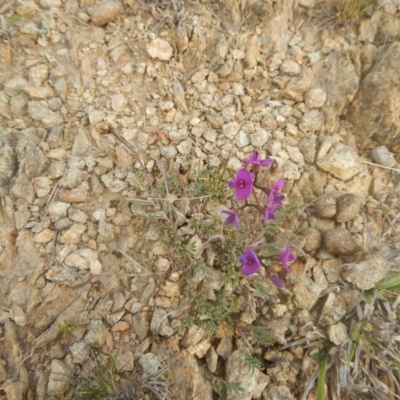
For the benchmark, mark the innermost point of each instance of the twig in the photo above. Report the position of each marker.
(134, 262)
(74, 273)
(131, 149)
(379, 165)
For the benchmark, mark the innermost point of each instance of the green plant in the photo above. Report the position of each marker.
(251, 362)
(103, 383)
(351, 9)
(209, 183)
(220, 386)
(66, 328)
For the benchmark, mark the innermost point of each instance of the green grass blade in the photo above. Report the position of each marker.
(389, 284)
(321, 379)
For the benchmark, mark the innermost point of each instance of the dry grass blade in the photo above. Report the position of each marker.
(351, 9)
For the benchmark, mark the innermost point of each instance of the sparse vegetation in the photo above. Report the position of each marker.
(347, 10)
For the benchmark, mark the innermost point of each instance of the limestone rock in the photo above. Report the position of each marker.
(238, 372)
(160, 49)
(365, 274)
(106, 12)
(341, 161)
(338, 333)
(337, 75)
(8, 161)
(374, 111)
(334, 310)
(59, 379)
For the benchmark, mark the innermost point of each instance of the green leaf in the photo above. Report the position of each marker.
(389, 284)
(352, 352)
(321, 379)
(233, 387)
(318, 357)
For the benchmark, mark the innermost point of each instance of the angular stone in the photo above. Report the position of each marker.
(306, 293)
(42, 185)
(59, 379)
(374, 111)
(58, 210)
(338, 333)
(367, 273)
(45, 236)
(73, 235)
(341, 161)
(238, 372)
(334, 310)
(160, 49)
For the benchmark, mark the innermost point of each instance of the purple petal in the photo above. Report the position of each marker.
(267, 161)
(232, 218)
(268, 215)
(244, 185)
(279, 283)
(278, 185)
(250, 269)
(233, 183)
(254, 159)
(250, 261)
(275, 200)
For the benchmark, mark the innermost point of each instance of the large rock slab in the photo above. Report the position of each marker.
(375, 109)
(337, 75)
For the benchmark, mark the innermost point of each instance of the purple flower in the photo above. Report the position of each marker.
(232, 218)
(285, 257)
(279, 283)
(274, 201)
(278, 185)
(255, 160)
(250, 261)
(242, 183)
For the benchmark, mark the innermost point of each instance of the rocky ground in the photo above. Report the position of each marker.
(120, 124)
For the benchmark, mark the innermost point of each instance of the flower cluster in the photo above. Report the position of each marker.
(244, 183)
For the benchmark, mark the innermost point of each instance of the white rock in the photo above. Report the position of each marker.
(160, 49)
(17, 314)
(242, 139)
(259, 138)
(313, 121)
(80, 352)
(149, 362)
(118, 102)
(230, 129)
(42, 185)
(315, 98)
(59, 379)
(290, 67)
(341, 161)
(58, 210)
(338, 333)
